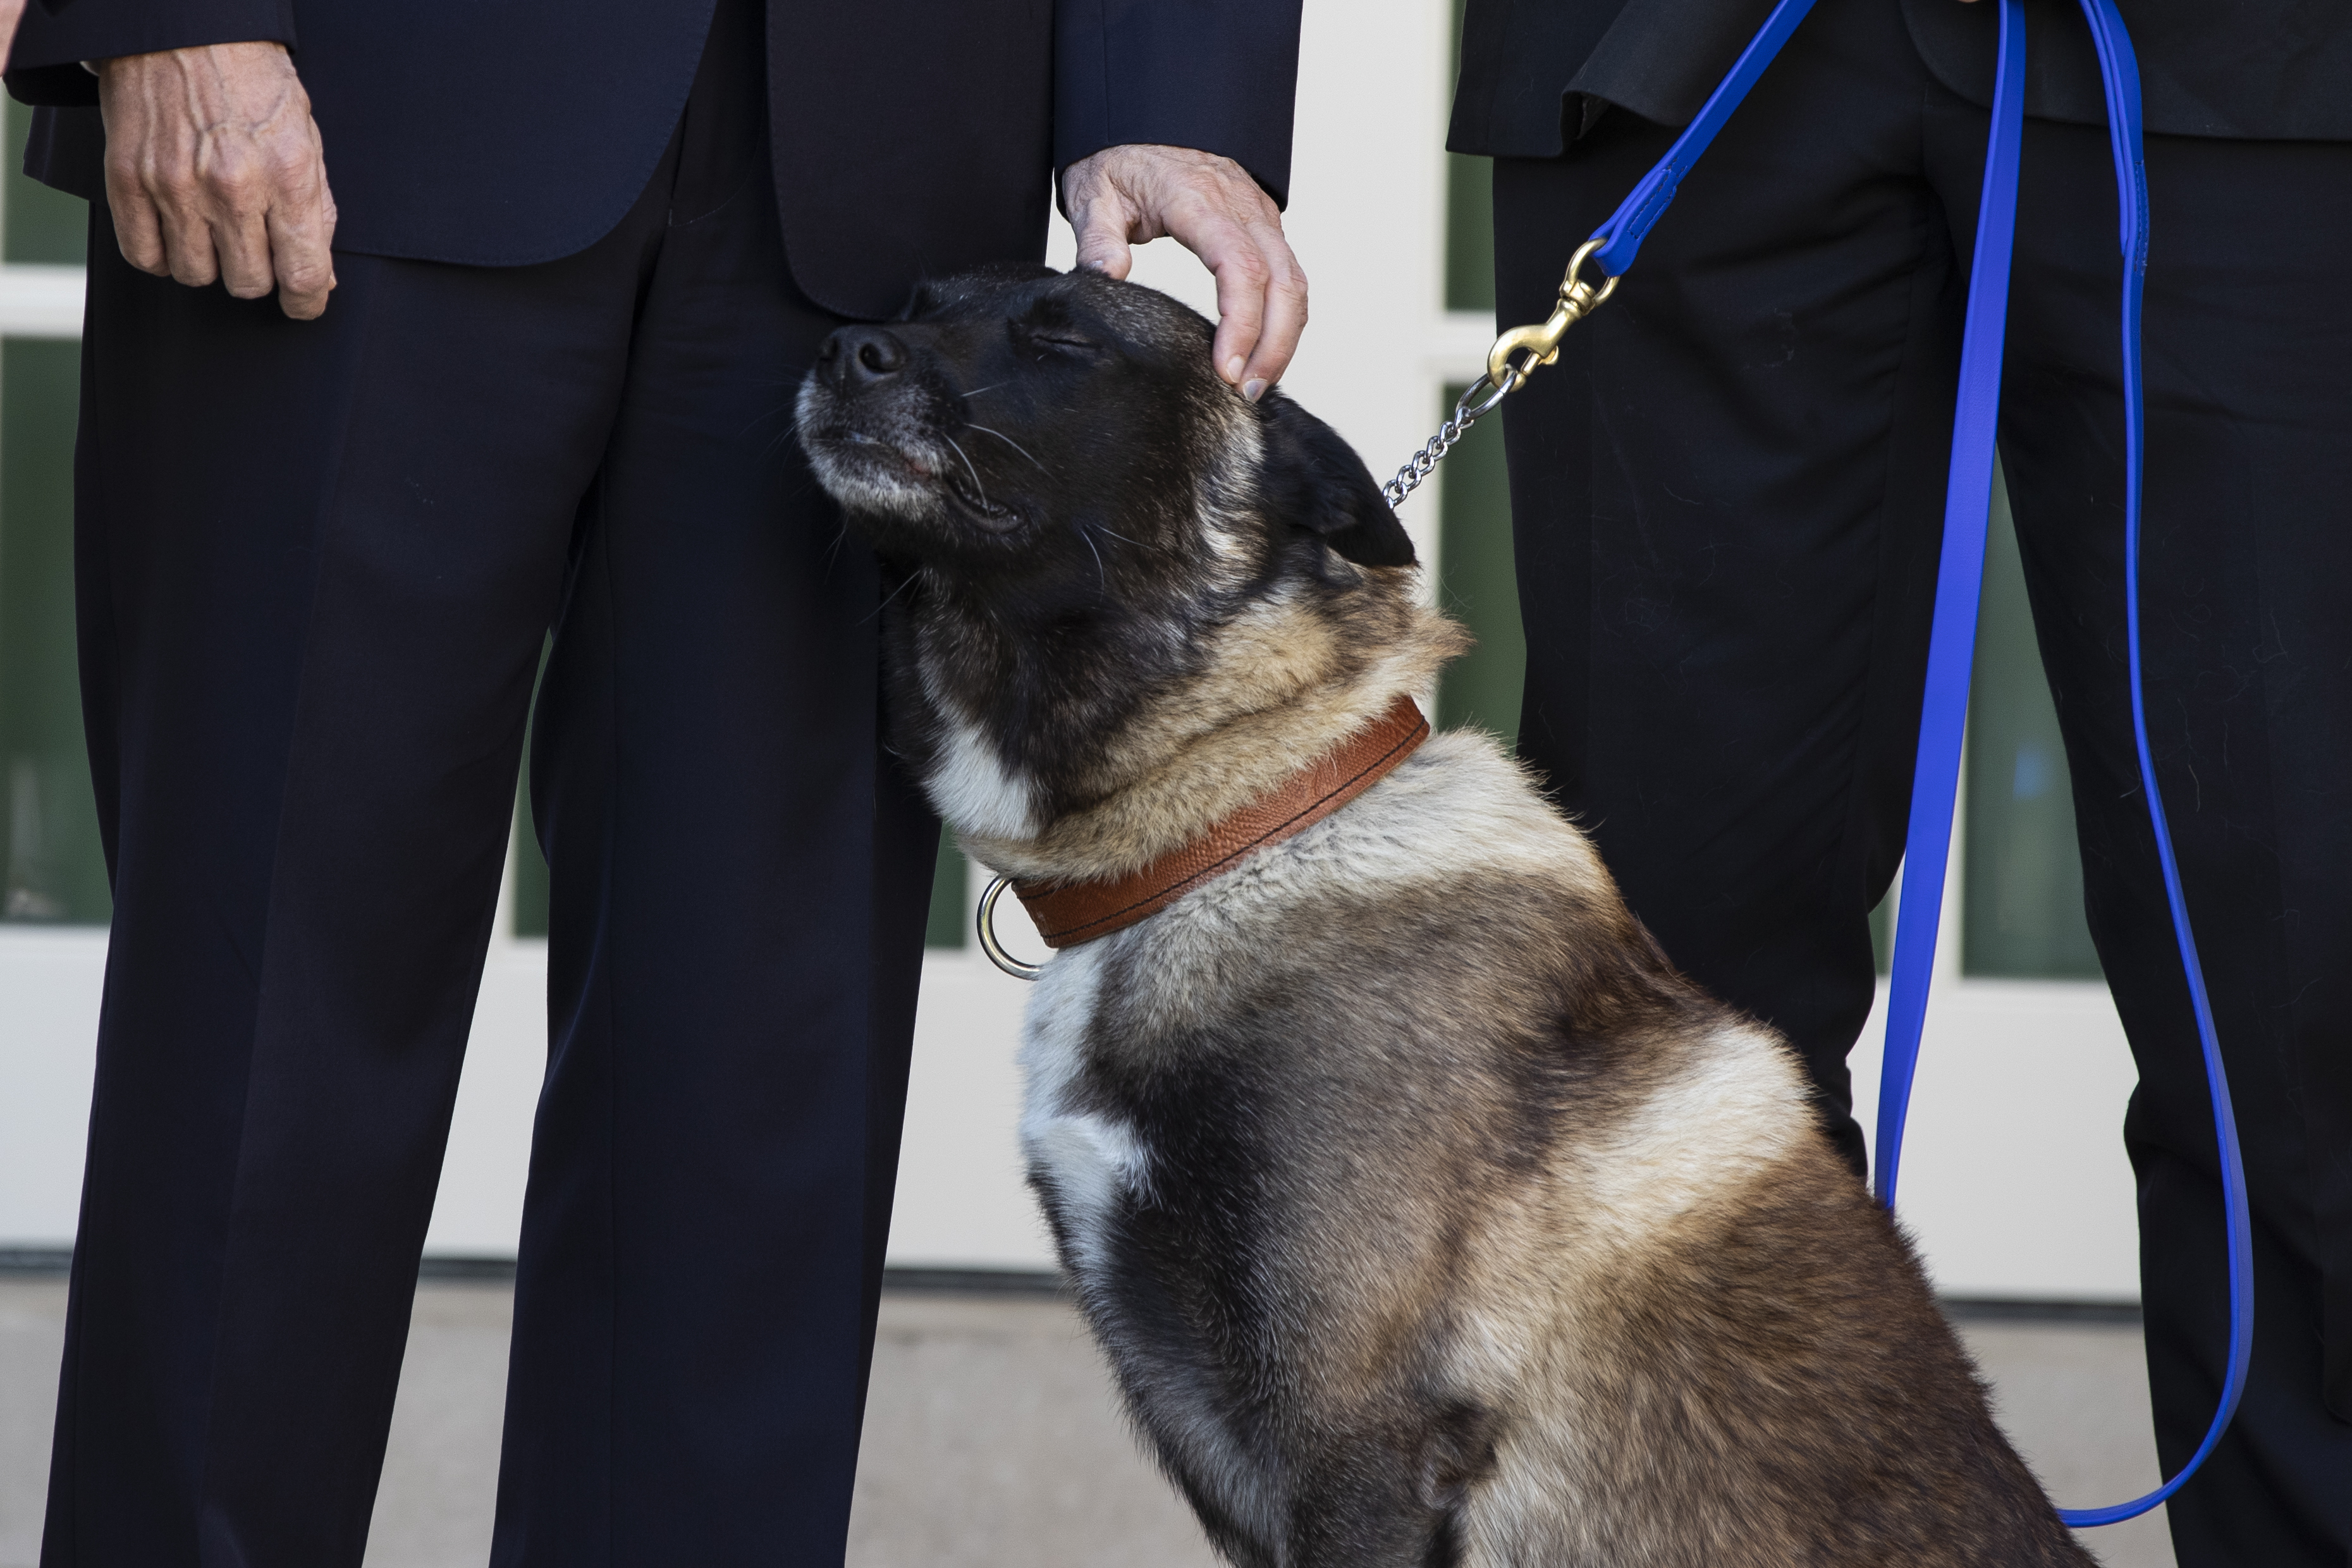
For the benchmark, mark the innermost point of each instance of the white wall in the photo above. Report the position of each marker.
(2015, 1179)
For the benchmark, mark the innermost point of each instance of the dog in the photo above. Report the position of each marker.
(1425, 1214)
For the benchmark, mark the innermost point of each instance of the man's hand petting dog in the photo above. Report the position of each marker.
(1123, 197)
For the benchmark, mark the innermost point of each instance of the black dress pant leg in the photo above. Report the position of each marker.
(1729, 499)
(2246, 569)
(319, 565)
(739, 881)
(315, 562)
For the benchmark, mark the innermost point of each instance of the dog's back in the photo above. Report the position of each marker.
(1427, 1213)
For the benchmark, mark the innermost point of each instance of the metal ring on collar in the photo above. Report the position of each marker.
(988, 943)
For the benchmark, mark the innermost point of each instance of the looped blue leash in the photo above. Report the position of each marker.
(1952, 648)
(1968, 506)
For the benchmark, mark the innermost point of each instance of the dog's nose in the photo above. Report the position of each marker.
(857, 357)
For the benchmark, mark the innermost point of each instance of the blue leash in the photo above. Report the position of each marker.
(1959, 579)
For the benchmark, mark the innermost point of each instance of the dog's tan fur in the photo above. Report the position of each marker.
(1427, 1214)
(1649, 1303)
(1280, 676)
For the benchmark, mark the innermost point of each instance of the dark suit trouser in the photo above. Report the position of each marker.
(318, 562)
(1728, 499)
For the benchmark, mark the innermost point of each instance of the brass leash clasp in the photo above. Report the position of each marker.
(1541, 345)
(1514, 356)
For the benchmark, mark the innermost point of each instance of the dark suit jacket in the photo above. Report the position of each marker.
(1537, 73)
(912, 137)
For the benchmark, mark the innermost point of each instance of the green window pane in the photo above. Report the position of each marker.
(530, 865)
(1478, 583)
(52, 868)
(1469, 218)
(1469, 233)
(2022, 888)
(42, 225)
(950, 921)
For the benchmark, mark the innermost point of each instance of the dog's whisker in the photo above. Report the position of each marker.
(1136, 542)
(1010, 442)
(969, 469)
(904, 585)
(1101, 575)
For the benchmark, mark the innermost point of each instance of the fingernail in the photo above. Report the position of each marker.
(1234, 367)
(1254, 388)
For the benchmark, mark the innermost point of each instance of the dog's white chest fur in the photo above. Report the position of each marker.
(1085, 1160)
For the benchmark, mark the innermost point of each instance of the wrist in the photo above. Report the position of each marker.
(101, 69)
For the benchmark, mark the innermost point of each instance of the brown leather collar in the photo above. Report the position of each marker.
(1068, 913)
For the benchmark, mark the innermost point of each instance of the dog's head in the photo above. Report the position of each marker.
(1018, 420)
(1088, 531)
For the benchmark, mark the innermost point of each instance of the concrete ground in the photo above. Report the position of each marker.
(991, 1436)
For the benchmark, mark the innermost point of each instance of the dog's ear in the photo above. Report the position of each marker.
(1315, 481)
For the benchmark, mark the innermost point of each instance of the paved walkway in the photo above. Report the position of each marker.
(989, 1436)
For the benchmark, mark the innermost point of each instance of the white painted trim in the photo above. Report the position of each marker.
(40, 302)
(2014, 1178)
(50, 980)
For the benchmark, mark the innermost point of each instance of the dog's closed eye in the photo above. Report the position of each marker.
(1052, 337)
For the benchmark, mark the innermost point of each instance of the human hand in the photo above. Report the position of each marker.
(214, 171)
(1123, 197)
(11, 12)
